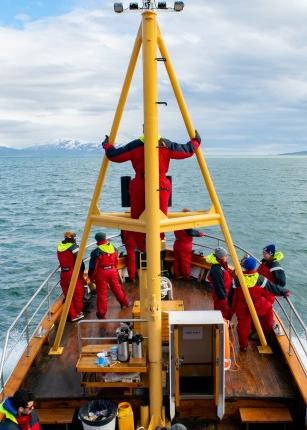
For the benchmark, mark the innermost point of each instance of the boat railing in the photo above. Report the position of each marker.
(81, 324)
(294, 327)
(27, 324)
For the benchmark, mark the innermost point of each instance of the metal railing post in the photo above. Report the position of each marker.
(27, 331)
(290, 332)
(48, 301)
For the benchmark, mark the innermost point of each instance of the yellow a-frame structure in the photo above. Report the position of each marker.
(153, 221)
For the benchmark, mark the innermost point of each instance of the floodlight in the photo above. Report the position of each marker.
(118, 7)
(162, 5)
(178, 6)
(133, 6)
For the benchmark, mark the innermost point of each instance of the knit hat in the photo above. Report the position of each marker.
(100, 236)
(220, 252)
(178, 426)
(270, 249)
(69, 235)
(249, 264)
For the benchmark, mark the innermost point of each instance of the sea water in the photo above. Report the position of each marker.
(264, 200)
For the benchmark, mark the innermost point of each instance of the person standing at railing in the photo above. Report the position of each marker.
(134, 152)
(220, 278)
(103, 271)
(17, 412)
(67, 252)
(260, 289)
(270, 266)
(183, 247)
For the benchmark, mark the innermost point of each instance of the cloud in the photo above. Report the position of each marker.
(242, 68)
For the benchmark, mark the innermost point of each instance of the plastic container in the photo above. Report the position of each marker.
(125, 416)
(106, 421)
(114, 353)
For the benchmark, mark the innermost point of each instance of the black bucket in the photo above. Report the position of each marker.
(104, 422)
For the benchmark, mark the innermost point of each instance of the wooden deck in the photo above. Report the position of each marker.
(255, 376)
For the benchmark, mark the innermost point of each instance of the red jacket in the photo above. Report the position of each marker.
(134, 152)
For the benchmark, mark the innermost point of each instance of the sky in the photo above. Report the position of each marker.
(242, 67)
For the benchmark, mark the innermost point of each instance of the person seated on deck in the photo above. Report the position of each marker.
(220, 279)
(17, 412)
(134, 152)
(183, 246)
(103, 271)
(260, 289)
(67, 252)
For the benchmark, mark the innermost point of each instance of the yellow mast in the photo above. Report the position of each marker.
(152, 221)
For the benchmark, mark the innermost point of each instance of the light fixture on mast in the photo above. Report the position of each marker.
(149, 5)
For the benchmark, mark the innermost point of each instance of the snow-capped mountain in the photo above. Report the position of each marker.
(60, 147)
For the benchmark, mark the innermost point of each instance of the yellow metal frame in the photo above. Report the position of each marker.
(152, 221)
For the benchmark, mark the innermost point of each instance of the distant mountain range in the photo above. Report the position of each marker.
(62, 147)
(295, 153)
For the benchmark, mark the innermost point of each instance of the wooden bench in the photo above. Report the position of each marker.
(56, 416)
(265, 416)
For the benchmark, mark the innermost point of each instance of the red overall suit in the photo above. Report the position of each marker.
(134, 152)
(261, 298)
(220, 279)
(128, 239)
(273, 271)
(183, 251)
(67, 254)
(103, 271)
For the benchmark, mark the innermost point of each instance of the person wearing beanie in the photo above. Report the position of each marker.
(260, 290)
(220, 279)
(18, 412)
(67, 251)
(103, 271)
(134, 152)
(270, 266)
(183, 247)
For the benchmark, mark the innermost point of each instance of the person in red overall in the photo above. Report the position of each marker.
(67, 252)
(220, 279)
(270, 267)
(259, 288)
(134, 152)
(183, 250)
(103, 271)
(128, 240)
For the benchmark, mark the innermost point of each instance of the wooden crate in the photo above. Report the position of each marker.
(167, 305)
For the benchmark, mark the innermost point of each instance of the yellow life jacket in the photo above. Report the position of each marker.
(5, 413)
(211, 259)
(107, 248)
(64, 246)
(251, 279)
(278, 256)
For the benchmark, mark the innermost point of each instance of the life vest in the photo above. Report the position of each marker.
(107, 248)
(65, 256)
(8, 415)
(267, 268)
(107, 259)
(227, 278)
(260, 297)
